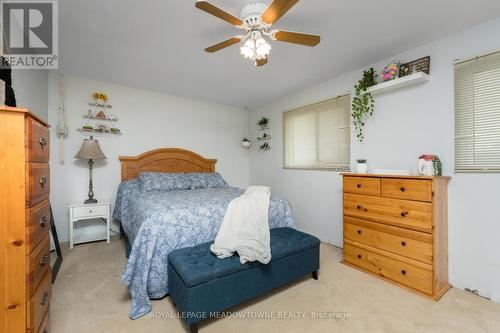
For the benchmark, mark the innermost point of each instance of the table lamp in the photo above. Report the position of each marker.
(91, 151)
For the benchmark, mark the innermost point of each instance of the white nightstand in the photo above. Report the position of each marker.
(80, 211)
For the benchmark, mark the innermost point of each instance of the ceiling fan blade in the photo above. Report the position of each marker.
(224, 44)
(261, 62)
(297, 38)
(277, 9)
(216, 11)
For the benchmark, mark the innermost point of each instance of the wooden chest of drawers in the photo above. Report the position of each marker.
(395, 227)
(25, 274)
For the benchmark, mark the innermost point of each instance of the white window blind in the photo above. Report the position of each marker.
(317, 136)
(477, 114)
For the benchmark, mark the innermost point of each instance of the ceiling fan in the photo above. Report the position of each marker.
(257, 19)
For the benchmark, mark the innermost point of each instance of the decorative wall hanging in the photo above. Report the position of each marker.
(264, 138)
(99, 121)
(415, 66)
(62, 130)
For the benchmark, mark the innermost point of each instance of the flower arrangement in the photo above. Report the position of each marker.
(100, 96)
(436, 163)
(390, 72)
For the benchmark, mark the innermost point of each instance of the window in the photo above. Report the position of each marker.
(318, 136)
(477, 114)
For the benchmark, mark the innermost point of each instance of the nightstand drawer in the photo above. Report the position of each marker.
(90, 211)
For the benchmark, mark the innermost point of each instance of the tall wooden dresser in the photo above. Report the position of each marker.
(396, 228)
(25, 274)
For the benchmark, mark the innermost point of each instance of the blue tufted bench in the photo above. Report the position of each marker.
(200, 284)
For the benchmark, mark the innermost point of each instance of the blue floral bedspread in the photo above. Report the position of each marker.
(159, 222)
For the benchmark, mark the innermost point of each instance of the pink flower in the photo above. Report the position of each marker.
(427, 157)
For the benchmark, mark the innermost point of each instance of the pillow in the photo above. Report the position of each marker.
(155, 181)
(205, 180)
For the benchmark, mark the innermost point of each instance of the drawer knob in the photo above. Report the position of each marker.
(403, 214)
(42, 142)
(43, 260)
(359, 232)
(359, 256)
(359, 186)
(43, 181)
(403, 243)
(90, 211)
(11, 306)
(402, 189)
(43, 220)
(403, 271)
(358, 207)
(43, 300)
(17, 242)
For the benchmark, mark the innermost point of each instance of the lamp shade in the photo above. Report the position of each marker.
(90, 150)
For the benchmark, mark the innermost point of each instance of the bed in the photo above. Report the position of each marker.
(157, 220)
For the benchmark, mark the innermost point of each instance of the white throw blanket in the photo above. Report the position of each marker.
(245, 228)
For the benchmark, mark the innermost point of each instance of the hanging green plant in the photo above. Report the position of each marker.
(363, 103)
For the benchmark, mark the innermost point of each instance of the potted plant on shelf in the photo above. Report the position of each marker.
(362, 166)
(246, 143)
(363, 103)
(263, 122)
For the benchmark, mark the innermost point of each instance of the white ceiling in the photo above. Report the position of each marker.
(158, 44)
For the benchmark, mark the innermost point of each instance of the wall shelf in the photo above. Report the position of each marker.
(398, 83)
(97, 133)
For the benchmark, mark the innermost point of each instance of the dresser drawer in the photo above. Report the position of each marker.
(412, 244)
(406, 273)
(410, 189)
(37, 224)
(38, 263)
(39, 303)
(37, 183)
(361, 185)
(89, 211)
(403, 213)
(45, 325)
(37, 141)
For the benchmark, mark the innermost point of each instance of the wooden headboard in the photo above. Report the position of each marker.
(165, 160)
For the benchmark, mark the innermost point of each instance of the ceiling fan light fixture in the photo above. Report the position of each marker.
(248, 49)
(262, 48)
(255, 48)
(257, 20)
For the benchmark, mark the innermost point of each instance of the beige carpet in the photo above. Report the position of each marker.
(88, 296)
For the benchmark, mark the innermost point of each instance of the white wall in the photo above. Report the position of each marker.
(31, 89)
(148, 120)
(407, 123)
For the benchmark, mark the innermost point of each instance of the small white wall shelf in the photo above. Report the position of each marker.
(401, 82)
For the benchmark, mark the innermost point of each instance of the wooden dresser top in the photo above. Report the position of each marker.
(372, 175)
(5, 108)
